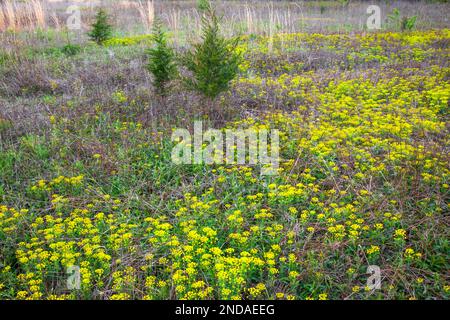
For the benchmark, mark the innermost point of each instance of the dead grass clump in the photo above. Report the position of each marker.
(146, 13)
(17, 16)
(25, 77)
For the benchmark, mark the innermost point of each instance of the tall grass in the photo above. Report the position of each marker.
(18, 16)
(10, 13)
(174, 20)
(147, 13)
(249, 18)
(2, 20)
(36, 14)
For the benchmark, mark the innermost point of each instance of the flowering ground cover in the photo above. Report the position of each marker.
(363, 180)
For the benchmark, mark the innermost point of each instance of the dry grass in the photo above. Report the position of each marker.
(10, 15)
(2, 20)
(249, 17)
(17, 16)
(147, 13)
(259, 17)
(174, 18)
(37, 14)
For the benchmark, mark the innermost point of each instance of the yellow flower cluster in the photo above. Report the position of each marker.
(364, 174)
(57, 182)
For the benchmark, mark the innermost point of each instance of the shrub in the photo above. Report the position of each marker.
(4, 124)
(402, 23)
(71, 49)
(408, 23)
(3, 58)
(161, 60)
(213, 62)
(203, 5)
(101, 29)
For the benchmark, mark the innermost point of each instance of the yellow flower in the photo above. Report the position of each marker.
(120, 296)
(400, 234)
(323, 296)
(373, 250)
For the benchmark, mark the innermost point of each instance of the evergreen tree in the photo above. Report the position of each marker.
(213, 62)
(161, 60)
(101, 29)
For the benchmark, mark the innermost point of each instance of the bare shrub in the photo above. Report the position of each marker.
(25, 77)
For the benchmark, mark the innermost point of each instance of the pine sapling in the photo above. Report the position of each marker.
(161, 60)
(101, 29)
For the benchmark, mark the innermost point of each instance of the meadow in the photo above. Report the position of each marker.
(87, 179)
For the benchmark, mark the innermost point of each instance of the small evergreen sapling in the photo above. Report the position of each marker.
(101, 29)
(214, 62)
(161, 60)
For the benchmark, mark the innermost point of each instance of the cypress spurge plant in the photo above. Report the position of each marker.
(101, 29)
(161, 60)
(213, 62)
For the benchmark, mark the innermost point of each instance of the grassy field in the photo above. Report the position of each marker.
(87, 179)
